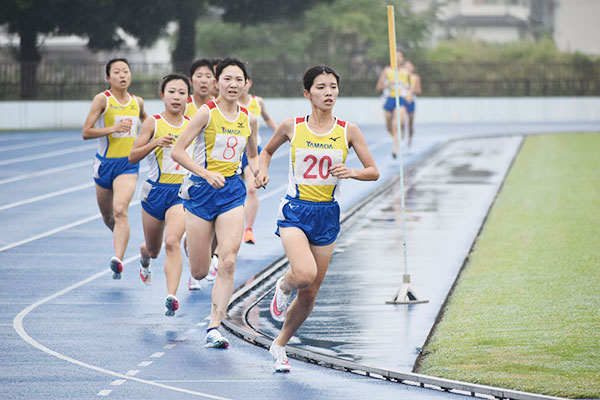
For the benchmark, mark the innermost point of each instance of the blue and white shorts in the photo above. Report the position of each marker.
(107, 169)
(320, 221)
(157, 198)
(206, 202)
(390, 103)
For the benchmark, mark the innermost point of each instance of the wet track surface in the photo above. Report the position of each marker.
(70, 332)
(448, 196)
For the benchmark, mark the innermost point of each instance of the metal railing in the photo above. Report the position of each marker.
(71, 81)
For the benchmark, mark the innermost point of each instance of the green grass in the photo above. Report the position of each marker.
(525, 313)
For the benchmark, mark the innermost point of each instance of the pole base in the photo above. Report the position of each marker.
(406, 294)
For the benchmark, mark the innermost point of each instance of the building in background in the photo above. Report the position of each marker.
(572, 23)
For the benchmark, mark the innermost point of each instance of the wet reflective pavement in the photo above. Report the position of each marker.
(448, 195)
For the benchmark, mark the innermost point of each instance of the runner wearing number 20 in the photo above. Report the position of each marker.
(308, 220)
(213, 192)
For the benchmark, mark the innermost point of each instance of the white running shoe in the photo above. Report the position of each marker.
(145, 273)
(213, 269)
(215, 340)
(280, 302)
(193, 284)
(280, 360)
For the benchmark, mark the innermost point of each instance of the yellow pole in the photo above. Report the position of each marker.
(393, 63)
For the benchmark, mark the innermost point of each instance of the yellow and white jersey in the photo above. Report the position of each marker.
(311, 156)
(118, 144)
(253, 106)
(191, 108)
(162, 167)
(220, 145)
(403, 83)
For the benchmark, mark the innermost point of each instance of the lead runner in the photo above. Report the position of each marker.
(308, 221)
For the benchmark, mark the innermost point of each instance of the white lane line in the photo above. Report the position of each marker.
(48, 155)
(158, 354)
(59, 229)
(46, 196)
(50, 232)
(89, 163)
(104, 392)
(169, 346)
(132, 372)
(18, 326)
(144, 363)
(117, 382)
(36, 143)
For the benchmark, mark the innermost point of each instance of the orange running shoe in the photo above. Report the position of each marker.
(249, 236)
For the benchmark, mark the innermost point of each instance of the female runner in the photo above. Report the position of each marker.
(308, 220)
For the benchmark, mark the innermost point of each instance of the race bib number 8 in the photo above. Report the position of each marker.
(228, 148)
(312, 166)
(132, 130)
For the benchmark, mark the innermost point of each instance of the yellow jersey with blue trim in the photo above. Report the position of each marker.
(403, 82)
(118, 144)
(220, 145)
(162, 167)
(311, 156)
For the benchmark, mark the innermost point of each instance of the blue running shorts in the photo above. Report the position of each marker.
(208, 203)
(107, 169)
(320, 221)
(390, 103)
(157, 198)
(245, 159)
(410, 107)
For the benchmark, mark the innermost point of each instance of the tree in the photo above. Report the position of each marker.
(97, 20)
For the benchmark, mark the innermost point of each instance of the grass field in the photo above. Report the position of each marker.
(525, 313)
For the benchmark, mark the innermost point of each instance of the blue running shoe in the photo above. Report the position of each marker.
(172, 305)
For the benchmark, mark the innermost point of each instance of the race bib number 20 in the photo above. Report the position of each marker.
(312, 166)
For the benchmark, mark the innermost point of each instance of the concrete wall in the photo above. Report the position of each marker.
(40, 115)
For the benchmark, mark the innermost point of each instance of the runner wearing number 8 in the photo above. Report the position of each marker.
(308, 220)
(213, 192)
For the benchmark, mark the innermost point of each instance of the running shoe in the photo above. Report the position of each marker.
(116, 267)
(215, 340)
(145, 273)
(280, 302)
(249, 236)
(172, 305)
(213, 269)
(193, 284)
(280, 360)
